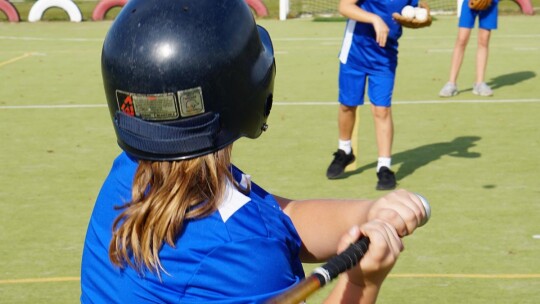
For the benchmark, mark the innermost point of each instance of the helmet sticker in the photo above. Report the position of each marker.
(151, 107)
(191, 102)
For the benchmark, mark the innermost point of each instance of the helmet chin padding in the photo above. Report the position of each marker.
(184, 78)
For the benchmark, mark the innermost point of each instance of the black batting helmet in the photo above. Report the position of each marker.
(184, 78)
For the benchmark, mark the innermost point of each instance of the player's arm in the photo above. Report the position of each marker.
(322, 223)
(349, 9)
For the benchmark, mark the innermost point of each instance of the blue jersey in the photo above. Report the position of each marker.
(360, 49)
(245, 252)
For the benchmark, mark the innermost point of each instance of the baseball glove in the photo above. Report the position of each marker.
(415, 23)
(479, 5)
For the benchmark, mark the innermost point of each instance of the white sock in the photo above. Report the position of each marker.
(384, 162)
(345, 145)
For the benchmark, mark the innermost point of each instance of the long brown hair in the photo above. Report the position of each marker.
(164, 195)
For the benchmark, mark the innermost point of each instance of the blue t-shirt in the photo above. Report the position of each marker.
(360, 49)
(245, 252)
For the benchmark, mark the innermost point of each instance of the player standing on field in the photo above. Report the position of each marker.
(368, 60)
(175, 221)
(487, 21)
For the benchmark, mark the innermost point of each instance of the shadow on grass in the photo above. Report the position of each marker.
(510, 79)
(507, 80)
(413, 159)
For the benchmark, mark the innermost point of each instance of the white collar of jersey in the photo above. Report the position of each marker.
(233, 199)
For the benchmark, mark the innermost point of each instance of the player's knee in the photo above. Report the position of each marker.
(347, 109)
(483, 42)
(381, 112)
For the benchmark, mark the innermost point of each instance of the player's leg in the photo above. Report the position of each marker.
(480, 87)
(346, 124)
(384, 130)
(466, 23)
(450, 88)
(459, 53)
(380, 94)
(482, 53)
(487, 22)
(346, 120)
(351, 94)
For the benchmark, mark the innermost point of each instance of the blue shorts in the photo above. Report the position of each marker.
(487, 19)
(352, 85)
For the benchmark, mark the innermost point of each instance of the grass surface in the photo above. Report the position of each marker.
(475, 159)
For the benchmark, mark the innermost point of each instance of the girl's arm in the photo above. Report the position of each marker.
(349, 9)
(322, 222)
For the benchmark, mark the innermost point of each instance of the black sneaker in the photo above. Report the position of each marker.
(387, 179)
(341, 160)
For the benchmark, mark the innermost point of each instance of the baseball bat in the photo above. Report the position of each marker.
(333, 267)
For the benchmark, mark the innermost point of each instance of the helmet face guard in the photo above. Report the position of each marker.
(185, 78)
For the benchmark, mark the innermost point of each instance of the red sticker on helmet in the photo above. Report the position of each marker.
(153, 107)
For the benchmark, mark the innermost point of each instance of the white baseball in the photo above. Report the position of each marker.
(420, 14)
(408, 12)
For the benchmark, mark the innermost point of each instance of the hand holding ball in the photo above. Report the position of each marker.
(420, 14)
(414, 17)
(408, 12)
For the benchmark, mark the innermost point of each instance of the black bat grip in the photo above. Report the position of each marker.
(342, 262)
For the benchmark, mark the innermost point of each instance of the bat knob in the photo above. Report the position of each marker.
(427, 208)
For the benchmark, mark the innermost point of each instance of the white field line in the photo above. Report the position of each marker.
(526, 49)
(293, 103)
(440, 50)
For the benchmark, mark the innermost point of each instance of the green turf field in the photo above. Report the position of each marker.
(475, 159)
